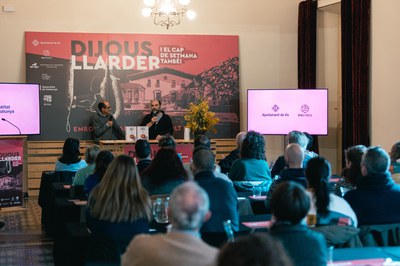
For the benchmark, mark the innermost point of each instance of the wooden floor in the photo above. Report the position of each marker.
(22, 241)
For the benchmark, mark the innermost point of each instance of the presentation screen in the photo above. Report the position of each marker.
(279, 111)
(19, 109)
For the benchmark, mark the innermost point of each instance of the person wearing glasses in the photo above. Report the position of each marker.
(105, 127)
(159, 123)
(376, 198)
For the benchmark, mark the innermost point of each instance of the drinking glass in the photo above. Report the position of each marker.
(257, 191)
(330, 255)
(160, 208)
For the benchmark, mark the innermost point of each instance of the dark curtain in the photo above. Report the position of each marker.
(307, 49)
(355, 72)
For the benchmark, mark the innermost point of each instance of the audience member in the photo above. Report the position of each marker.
(223, 197)
(254, 250)
(296, 137)
(328, 208)
(70, 160)
(227, 162)
(90, 157)
(395, 162)
(188, 209)
(290, 205)
(294, 156)
(203, 142)
(143, 153)
(252, 166)
(164, 173)
(308, 152)
(103, 159)
(119, 207)
(352, 172)
(167, 142)
(376, 198)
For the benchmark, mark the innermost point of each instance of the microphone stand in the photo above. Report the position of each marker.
(19, 130)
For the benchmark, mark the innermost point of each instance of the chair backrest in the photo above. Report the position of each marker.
(107, 248)
(340, 236)
(247, 186)
(77, 192)
(63, 176)
(381, 235)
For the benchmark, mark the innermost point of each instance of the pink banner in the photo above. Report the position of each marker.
(11, 172)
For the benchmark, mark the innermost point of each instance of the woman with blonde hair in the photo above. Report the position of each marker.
(118, 209)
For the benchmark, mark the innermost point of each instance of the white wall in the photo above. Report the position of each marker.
(385, 74)
(328, 76)
(267, 41)
(267, 35)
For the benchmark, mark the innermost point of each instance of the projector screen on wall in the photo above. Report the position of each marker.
(19, 109)
(279, 111)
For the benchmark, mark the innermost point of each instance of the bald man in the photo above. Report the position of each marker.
(294, 156)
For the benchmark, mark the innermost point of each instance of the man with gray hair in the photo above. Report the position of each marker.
(188, 209)
(296, 137)
(376, 200)
(227, 162)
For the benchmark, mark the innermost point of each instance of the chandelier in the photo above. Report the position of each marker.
(167, 12)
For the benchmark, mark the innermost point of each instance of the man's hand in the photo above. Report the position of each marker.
(154, 119)
(109, 123)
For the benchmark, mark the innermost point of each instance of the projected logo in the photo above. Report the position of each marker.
(275, 108)
(305, 108)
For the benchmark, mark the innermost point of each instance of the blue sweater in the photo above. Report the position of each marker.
(376, 200)
(223, 202)
(250, 170)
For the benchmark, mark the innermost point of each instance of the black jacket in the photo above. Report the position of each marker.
(162, 127)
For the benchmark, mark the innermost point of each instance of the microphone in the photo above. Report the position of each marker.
(159, 115)
(19, 130)
(110, 118)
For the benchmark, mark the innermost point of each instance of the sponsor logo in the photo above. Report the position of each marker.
(46, 77)
(35, 42)
(46, 53)
(34, 66)
(275, 108)
(47, 98)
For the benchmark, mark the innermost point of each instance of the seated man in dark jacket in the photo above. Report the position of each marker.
(294, 156)
(227, 162)
(142, 150)
(298, 138)
(223, 197)
(376, 198)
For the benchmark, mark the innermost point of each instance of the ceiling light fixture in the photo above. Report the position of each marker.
(167, 13)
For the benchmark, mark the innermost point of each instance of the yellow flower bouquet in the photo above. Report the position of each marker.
(199, 119)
